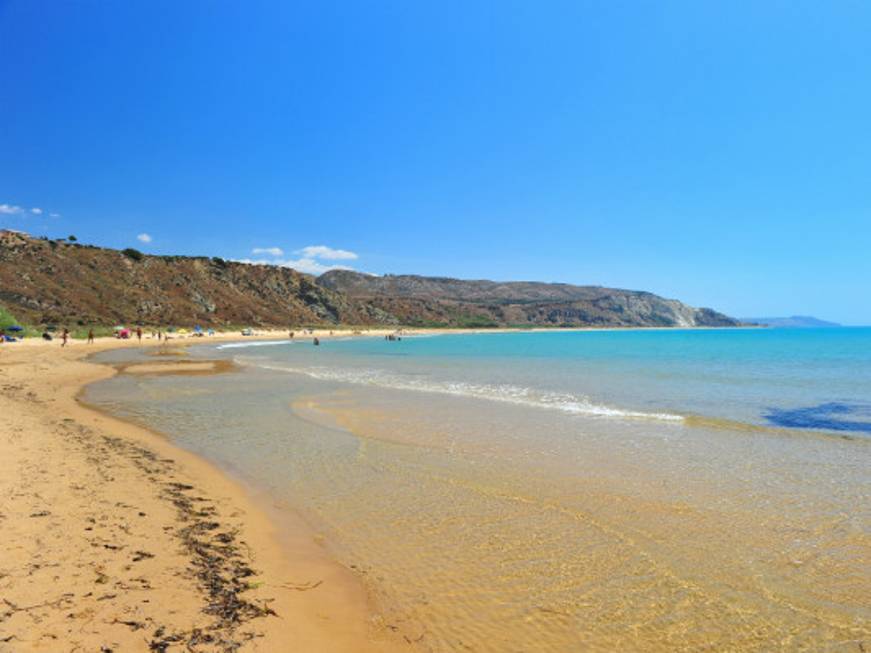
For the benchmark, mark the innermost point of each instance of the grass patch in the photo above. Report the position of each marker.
(7, 320)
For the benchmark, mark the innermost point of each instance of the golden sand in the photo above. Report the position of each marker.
(114, 539)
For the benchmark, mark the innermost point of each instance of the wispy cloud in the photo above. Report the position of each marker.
(10, 209)
(314, 259)
(326, 253)
(272, 251)
(14, 209)
(143, 238)
(307, 265)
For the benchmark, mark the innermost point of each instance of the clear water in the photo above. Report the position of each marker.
(643, 490)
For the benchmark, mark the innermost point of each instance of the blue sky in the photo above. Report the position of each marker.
(715, 152)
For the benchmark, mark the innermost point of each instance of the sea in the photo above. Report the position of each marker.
(637, 490)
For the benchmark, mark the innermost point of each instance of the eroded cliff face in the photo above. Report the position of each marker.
(56, 282)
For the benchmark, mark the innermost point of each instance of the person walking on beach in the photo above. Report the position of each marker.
(64, 337)
(139, 333)
(90, 336)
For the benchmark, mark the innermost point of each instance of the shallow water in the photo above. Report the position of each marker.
(563, 491)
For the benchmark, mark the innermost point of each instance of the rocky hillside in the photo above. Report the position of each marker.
(436, 300)
(58, 282)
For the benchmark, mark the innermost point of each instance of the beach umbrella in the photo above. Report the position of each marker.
(15, 327)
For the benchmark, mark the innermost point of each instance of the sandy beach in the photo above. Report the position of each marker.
(116, 540)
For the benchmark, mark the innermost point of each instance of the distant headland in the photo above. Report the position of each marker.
(792, 322)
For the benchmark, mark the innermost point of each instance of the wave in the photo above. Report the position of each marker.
(504, 393)
(257, 343)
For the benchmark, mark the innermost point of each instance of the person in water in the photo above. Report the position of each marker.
(317, 341)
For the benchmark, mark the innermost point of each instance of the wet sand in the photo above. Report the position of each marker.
(116, 540)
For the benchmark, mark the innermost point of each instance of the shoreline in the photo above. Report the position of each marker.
(218, 571)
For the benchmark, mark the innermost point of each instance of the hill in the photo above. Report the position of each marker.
(58, 282)
(417, 300)
(793, 322)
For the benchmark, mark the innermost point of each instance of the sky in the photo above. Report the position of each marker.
(714, 152)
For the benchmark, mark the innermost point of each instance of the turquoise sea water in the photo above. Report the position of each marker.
(795, 378)
(560, 491)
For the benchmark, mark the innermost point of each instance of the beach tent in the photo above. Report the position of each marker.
(123, 334)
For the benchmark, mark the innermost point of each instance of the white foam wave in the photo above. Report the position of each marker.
(256, 343)
(504, 393)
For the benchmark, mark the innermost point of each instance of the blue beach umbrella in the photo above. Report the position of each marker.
(15, 328)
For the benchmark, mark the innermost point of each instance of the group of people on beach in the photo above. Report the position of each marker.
(163, 337)
(65, 336)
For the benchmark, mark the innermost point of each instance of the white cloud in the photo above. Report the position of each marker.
(14, 209)
(272, 251)
(307, 265)
(326, 253)
(311, 266)
(143, 238)
(313, 259)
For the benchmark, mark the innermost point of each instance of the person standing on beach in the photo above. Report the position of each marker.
(64, 337)
(90, 336)
(139, 334)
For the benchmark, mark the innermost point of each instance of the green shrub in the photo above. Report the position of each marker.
(133, 254)
(6, 318)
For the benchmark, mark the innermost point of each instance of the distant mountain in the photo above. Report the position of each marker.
(440, 301)
(794, 322)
